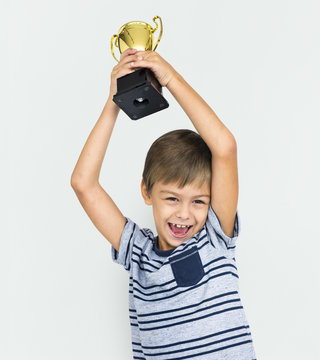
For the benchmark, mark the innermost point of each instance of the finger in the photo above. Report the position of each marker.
(127, 52)
(146, 53)
(141, 63)
(128, 59)
(128, 67)
(125, 71)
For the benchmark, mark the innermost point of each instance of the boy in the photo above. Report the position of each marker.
(183, 293)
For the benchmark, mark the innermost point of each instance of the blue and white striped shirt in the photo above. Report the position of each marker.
(184, 303)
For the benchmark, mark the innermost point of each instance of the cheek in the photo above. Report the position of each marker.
(162, 211)
(203, 216)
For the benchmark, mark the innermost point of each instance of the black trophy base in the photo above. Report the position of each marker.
(139, 94)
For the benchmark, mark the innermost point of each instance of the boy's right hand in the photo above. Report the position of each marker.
(123, 67)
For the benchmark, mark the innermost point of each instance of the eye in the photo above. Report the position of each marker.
(199, 201)
(171, 199)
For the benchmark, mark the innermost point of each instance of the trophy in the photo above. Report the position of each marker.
(139, 93)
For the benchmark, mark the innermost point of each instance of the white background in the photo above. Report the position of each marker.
(257, 64)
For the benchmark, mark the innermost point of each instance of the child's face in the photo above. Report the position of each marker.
(173, 206)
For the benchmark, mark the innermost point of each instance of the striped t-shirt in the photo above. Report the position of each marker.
(184, 303)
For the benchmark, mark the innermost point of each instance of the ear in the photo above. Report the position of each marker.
(147, 199)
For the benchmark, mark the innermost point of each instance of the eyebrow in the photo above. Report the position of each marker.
(171, 192)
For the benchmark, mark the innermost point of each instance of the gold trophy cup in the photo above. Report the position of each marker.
(139, 93)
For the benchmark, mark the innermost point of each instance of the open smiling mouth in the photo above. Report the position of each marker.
(179, 232)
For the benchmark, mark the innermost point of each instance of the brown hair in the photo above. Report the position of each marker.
(179, 156)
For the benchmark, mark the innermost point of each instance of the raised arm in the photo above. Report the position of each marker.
(221, 142)
(99, 206)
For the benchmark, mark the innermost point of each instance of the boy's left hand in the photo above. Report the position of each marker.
(162, 70)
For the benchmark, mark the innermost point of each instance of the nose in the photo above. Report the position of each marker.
(183, 212)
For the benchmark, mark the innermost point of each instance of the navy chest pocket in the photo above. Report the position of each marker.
(187, 267)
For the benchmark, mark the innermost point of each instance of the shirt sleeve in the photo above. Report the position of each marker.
(217, 236)
(131, 236)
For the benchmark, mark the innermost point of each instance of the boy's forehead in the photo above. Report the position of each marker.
(203, 189)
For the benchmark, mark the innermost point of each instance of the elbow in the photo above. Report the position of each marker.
(228, 147)
(232, 145)
(79, 185)
(76, 182)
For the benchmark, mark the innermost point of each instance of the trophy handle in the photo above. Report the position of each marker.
(116, 44)
(153, 30)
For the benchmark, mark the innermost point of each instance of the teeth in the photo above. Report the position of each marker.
(180, 226)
